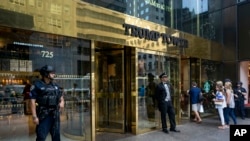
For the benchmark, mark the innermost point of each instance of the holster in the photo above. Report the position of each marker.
(42, 112)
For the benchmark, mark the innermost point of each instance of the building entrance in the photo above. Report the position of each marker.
(109, 88)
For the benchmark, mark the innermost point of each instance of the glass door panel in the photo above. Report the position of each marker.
(150, 65)
(109, 84)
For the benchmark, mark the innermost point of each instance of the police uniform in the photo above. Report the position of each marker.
(239, 102)
(47, 97)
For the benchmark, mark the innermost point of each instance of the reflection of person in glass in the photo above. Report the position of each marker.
(26, 98)
(74, 92)
(111, 85)
(150, 96)
(27, 108)
(141, 69)
(1, 93)
(46, 102)
(141, 94)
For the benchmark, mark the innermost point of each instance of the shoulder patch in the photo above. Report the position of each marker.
(32, 87)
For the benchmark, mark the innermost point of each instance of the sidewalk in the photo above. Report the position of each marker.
(190, 131)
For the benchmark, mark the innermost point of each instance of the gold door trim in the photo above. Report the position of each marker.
(109, 88)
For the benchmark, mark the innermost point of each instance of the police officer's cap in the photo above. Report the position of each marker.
(163, 75)
(239, 83)
(45, 70)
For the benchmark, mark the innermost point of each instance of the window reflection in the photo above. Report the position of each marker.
(23, 53)
(149, 68)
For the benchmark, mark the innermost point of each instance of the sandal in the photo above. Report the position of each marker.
(221, 127)
(199, 121)
(194, 120)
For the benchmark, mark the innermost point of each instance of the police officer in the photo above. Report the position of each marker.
(240, 98)
(46, 102)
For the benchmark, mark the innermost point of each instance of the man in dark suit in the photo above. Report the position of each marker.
(163, 95)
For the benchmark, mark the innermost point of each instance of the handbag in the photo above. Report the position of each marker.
(218, 102)
(201, 109)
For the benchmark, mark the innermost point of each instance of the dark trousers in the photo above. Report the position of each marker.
(45, 127)
(229, 112)
(240, 108)
(167, 108)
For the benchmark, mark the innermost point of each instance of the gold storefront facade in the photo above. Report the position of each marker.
(103, 70)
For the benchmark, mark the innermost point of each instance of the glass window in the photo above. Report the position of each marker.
(210, 72)
(215, 5)
(142, 12)
(228, 3)
(243, 32)
(240, 1)
(192, 16)
(148, 78)
(150, 65)
(23, 53)
(196, 6)
(150, 56)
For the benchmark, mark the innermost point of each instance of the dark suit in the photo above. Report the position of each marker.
(165, 107)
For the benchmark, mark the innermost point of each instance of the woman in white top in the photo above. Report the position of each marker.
(229, 110)
(220, 103)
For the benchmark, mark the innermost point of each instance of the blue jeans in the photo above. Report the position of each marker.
(229, 112)
(45, 127)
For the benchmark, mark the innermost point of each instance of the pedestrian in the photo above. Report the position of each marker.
(229, 110)
(163, 96)
(240, 99)
(195, 95)
(220, 103)
(46, 102)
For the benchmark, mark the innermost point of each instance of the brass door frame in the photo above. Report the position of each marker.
(112, 119)
(174, 77)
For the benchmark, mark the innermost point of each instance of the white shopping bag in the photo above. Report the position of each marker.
(201, 109)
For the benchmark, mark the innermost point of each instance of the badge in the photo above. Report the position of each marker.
(32, 87)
